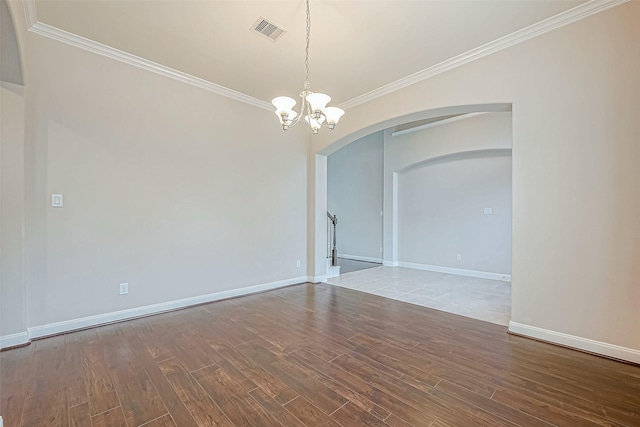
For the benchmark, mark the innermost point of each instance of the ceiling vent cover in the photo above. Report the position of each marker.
(268, 29)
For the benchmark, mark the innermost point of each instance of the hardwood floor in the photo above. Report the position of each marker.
(311, 356)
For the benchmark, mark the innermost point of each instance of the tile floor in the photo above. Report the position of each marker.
(482, 299)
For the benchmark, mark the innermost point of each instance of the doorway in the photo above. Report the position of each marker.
(446, 214)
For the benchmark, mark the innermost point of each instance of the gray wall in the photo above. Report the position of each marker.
(481, 135)
(441, 214)
(354, 194)
(358, 172)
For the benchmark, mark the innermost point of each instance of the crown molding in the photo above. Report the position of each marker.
(110, 52)
(564, 18)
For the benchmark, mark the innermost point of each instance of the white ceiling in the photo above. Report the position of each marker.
(356, 46)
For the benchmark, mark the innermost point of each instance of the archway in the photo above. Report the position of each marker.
(500, 147)
(318, 179)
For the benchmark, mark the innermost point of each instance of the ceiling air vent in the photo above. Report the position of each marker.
(268, 29)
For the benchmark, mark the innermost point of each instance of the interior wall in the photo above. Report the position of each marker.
(441, 214)
(354, 194)
(12, 179)
(484, 133)
(576, 181)
(165, 188)
(12, 214)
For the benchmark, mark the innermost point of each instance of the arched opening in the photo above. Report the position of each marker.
(10, 63)
(437, 166)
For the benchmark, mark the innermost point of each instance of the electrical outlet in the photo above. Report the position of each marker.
(381, 250)
(124, 288)
(488, 211)
(459, 257)
(298, 263)
(56, 201)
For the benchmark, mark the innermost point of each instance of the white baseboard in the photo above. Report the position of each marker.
(333, 271)
(585, 344)
(361, 258)
(390, 263)
(13, 340)
(100, 319)
(458, 271)
(317, 279)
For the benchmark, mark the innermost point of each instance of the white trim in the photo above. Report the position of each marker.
(119, 55)
(436, 123)
(560, 20)
(586, 344)
(317, 279)
(333, 271)
(361, 258)
(390, 263)
(116, 316)
(458, 271)
(564, 18)
(30, 14)
(394, 218)
(13, 340)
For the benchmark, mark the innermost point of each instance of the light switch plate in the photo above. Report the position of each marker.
(488, 211)
(56, 201)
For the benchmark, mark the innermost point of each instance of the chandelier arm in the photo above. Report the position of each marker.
(297, 119)
(304, 108)
(326, 124)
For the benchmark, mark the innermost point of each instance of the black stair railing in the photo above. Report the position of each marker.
(331, 226)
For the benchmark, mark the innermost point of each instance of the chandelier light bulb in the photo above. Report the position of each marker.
(318, 102)
(315, 124)
(286, 117)
(333, 115)
(283, 103)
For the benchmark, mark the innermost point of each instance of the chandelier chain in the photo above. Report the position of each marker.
(313, 108)
(307, 85)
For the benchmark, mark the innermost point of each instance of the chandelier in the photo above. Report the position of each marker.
(314, 105)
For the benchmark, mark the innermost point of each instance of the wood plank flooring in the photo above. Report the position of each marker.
(311, 355)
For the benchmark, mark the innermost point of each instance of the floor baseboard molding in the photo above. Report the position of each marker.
(390, 263)
(458, 271)
(132, 313)
(361, 258)
(333, 271)
(14, 340)
(317, 279)
(578, 343)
